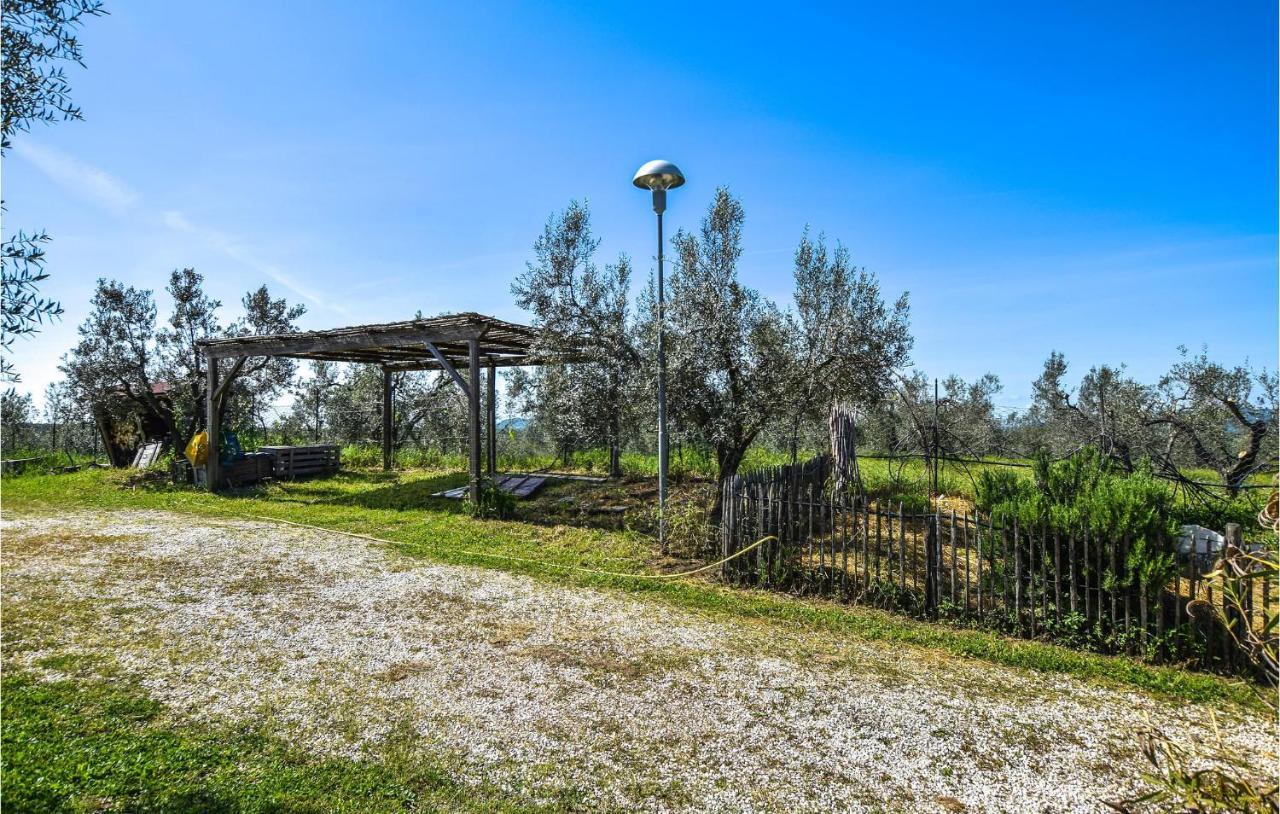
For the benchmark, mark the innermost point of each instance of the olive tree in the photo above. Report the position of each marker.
(1108, 410)
(1220, 417)
(847, 342)
(39, 38)
(586, 337)
(729, 350)
(124, 354)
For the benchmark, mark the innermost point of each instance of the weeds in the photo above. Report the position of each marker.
(492, 503)
(1200, 778)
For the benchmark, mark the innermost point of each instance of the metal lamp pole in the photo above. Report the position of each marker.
(659, 176)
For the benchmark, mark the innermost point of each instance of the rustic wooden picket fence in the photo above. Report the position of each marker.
(1071, 588)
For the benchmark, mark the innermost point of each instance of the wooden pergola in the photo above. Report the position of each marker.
(469, 340)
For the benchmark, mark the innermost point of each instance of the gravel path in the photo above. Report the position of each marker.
(343, 645)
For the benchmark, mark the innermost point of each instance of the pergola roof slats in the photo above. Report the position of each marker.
(401, 345)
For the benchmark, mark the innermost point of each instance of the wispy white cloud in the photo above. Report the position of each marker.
(80, 179)
(111, 194)
(235, 250)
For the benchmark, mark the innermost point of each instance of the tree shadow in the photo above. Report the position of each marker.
(400, 495)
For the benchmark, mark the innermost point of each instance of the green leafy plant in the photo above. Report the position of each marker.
(999, 486)
(493, 503)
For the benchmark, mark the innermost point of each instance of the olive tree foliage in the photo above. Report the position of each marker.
(586, 337)
(1108, 411)
(16, 412)
(311, 398)
(1200, 414)
(253, 384)
(124, 354)
(181, 365)
(24, 311)
(343, 404)
(67, 417)
(430, 412)
(39, 38)
(910, 424)
(117, 360)
(729, 350)
(740, 366)
(847, 342)
(960, 422)
(354, 406)
(1219, 417)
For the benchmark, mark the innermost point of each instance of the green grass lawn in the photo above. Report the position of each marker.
(397, 507)
(906, 480)
(88, 743)
(94, 745)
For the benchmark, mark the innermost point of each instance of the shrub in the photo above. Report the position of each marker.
(1217, 513)
(1082, 492)
(997, 486)
(493, 503)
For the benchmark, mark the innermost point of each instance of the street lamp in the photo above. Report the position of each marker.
(660, 176)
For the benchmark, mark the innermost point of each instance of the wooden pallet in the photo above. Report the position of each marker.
(303, 461)
(147, 454)
(253, 467)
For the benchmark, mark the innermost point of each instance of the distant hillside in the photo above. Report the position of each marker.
(513, 424)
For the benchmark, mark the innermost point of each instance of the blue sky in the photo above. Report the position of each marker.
(1096, 178)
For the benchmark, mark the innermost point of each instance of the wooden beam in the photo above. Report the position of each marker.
(473, 412)
(388, 421)
(448, 366)
(213, 421)
(498, 361)
(290, 345)
(491, 428)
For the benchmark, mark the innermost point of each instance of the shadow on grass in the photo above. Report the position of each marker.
(406, 495)
(602, 506)
(371, 490)
(560, 502)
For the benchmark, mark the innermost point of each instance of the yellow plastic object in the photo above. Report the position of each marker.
(198, 449)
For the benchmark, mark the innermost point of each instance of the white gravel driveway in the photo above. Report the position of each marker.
(342, 644)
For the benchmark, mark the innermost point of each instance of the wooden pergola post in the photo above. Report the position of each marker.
(492, 421)
(473, 413)
(388, 421)
(213, 422)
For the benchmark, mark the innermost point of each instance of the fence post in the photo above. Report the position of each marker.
(1128, 593)
(902, 554)
(727, 529)
(930, 564)
(844, 545)
(1071, 555)
(977, 543)
(1017, 577)
(1031, 575)
(965, 529)
(879, 521)
(953, 557)
(1057, 575)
